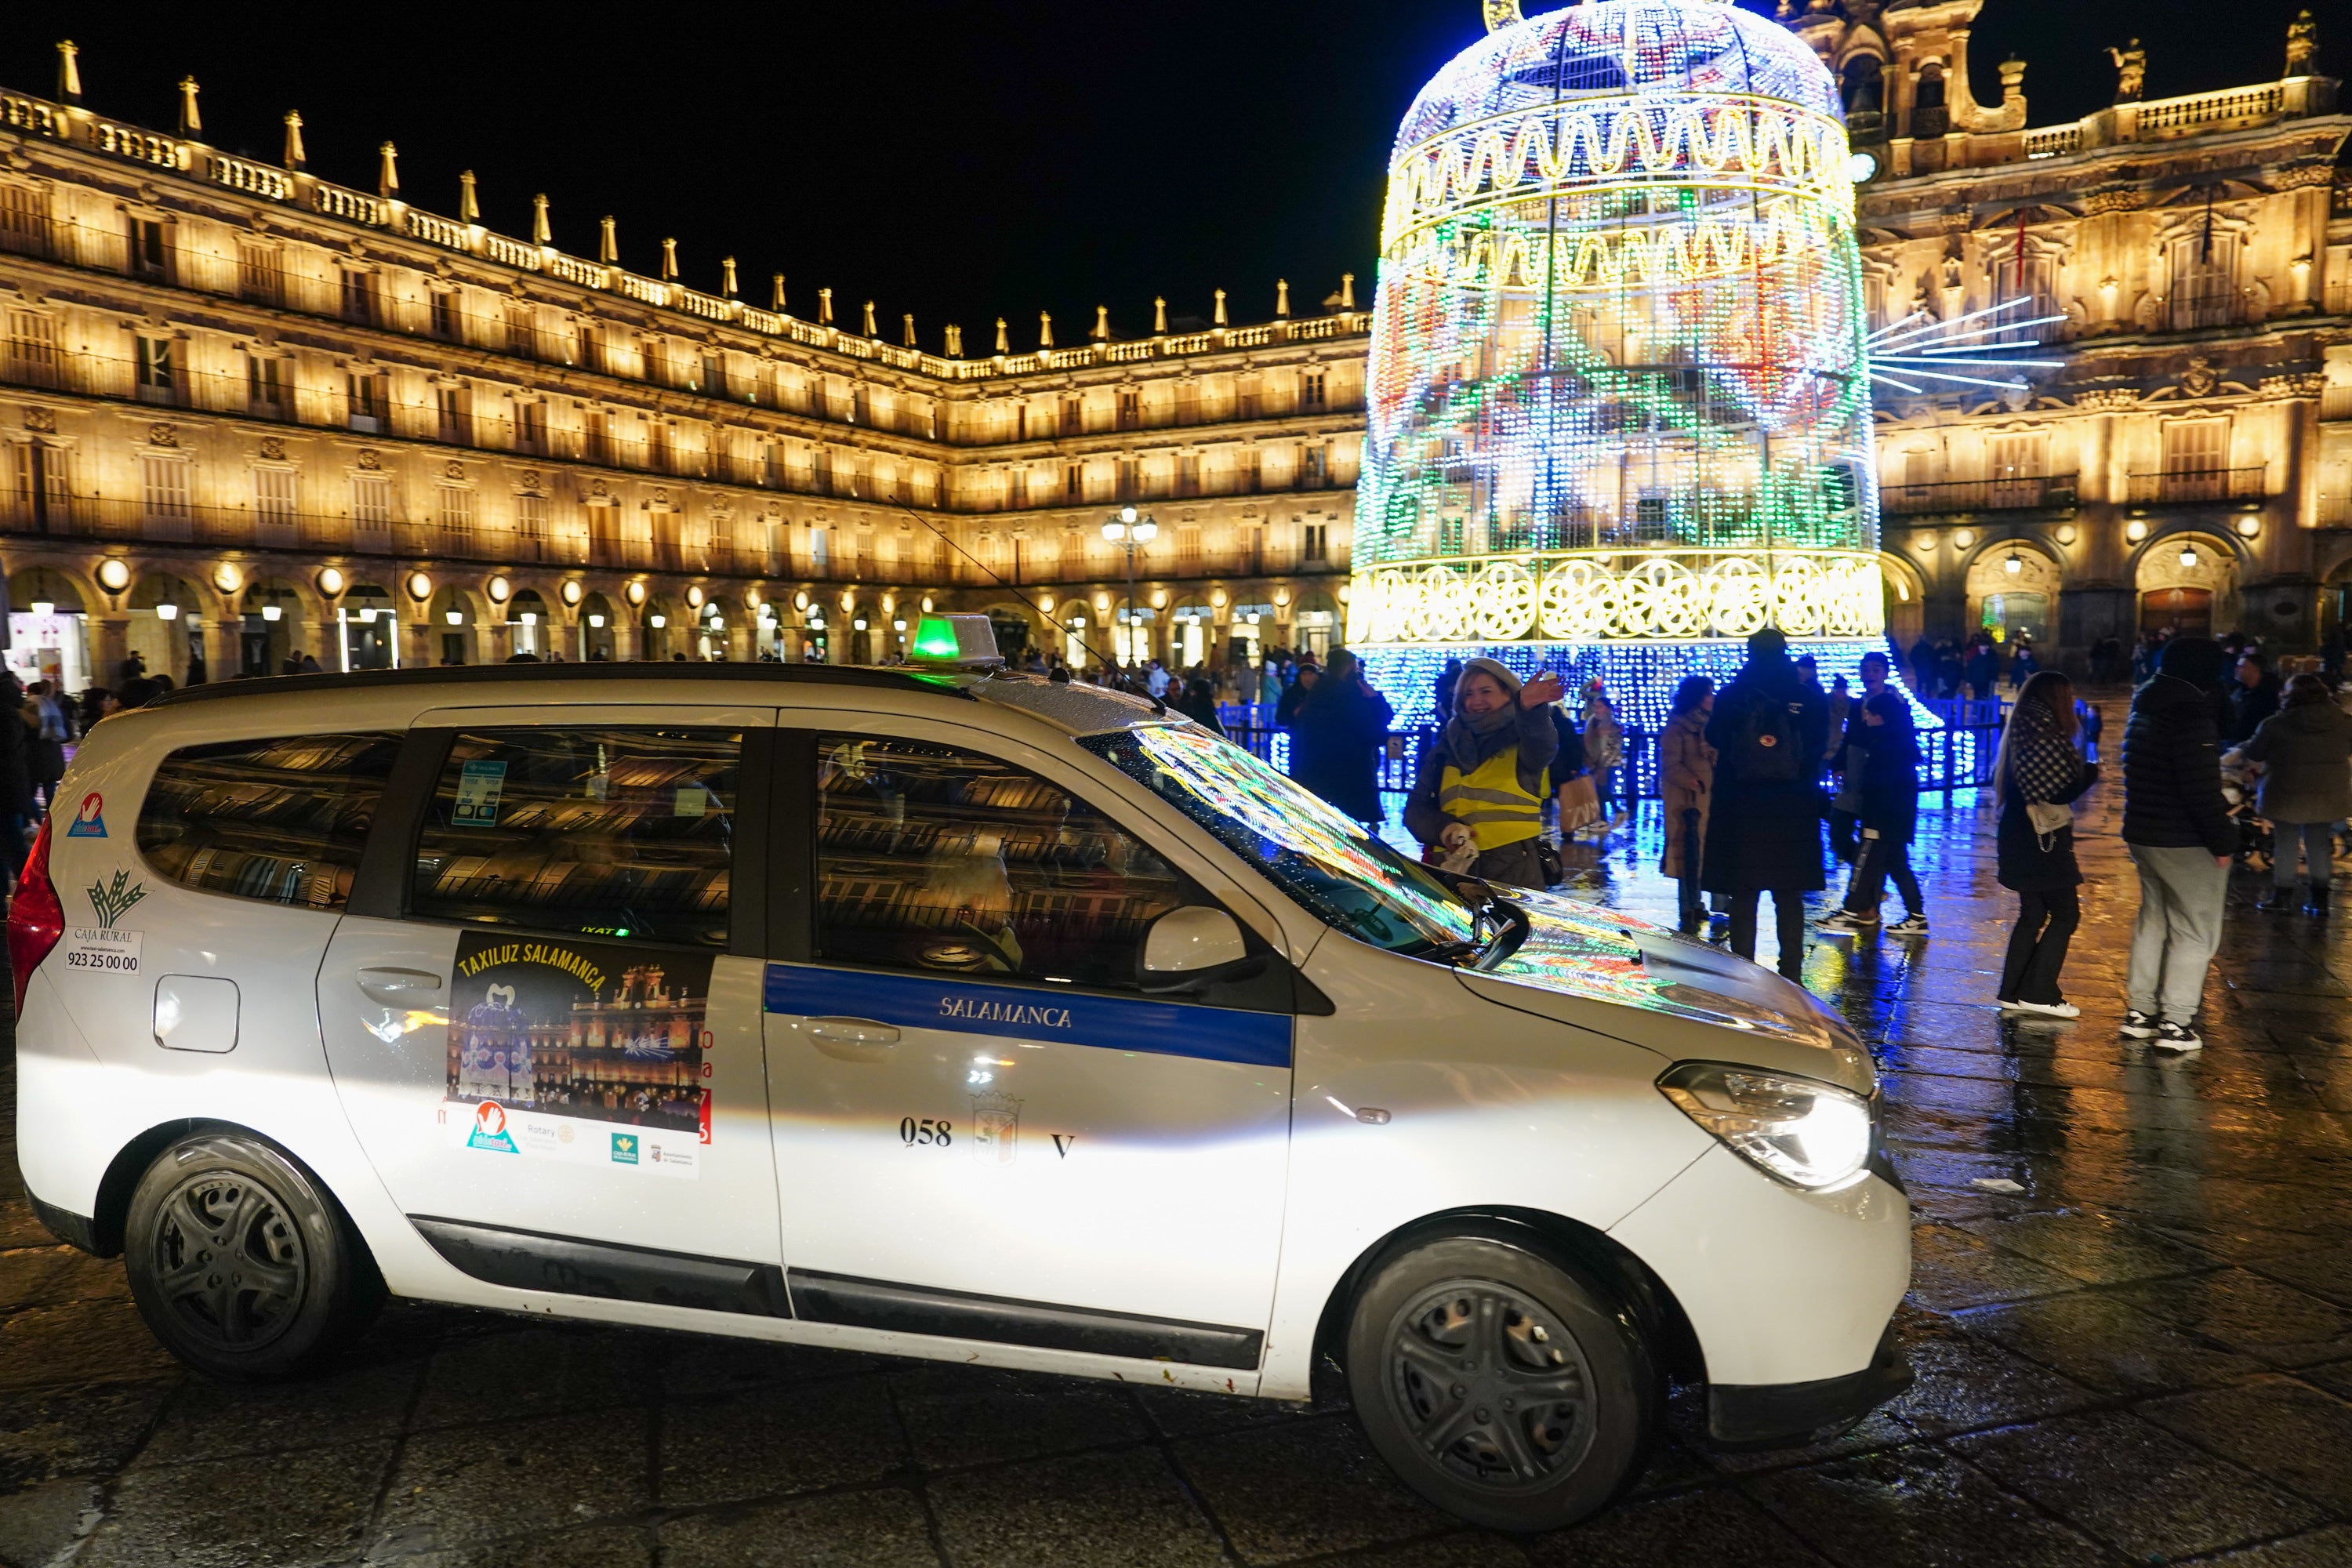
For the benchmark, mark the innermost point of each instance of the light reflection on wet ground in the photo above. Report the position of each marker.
(2145, 1353)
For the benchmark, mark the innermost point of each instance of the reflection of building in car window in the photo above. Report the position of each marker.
(934, 859)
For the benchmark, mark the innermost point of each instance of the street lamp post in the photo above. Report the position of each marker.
(1130, 533)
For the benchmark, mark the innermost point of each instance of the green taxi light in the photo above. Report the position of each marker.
(934, 639)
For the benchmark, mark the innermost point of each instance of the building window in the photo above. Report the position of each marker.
(1016, 487)
(1188, 473)
(530, 526)
(1251, 537)
(658, 451)
(215, 817)
(1073, 482)
(33, 349)
(359, 298)
(1188, 549)
(523, 329)
(163, 486)
(2204, 282)
(1248, 466)
(1314, 466)
(23, 220)
(371, 511)
(454, 510)
(1313, 390)
(44, 478)
(267, 392)
(861, 405)
(444, 310)
(597, 433)
(1249, 398)
(274, 491)
(1072, 420)
(1188, 402)
(714, 375)
(531, 425)
(368, 401)
(821, 470)
(146, 248)
(454, 409)
(1314, 542)
(1127, 479)
(261, 274)
(158, 374)
(1130, 408)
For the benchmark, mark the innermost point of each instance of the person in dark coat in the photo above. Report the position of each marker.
(1199, 702)
(2178, 830)
(2306, 751)
(16, 808)
(2253, 697)
(1923, 666)
(1336, 737)
(1479, 795)
(1446, 680)
(1888, 815)
(1764, 834)
(2040, 766)
(1286, 707)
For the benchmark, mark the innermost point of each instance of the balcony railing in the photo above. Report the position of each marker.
(2177, 485)
(2020, 493)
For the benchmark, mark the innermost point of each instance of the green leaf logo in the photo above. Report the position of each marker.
(109, 900)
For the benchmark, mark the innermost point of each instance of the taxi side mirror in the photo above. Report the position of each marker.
(1189, 941)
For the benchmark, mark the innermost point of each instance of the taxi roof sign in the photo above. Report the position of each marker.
(968, 641)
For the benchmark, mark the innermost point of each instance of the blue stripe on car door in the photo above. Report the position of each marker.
(1116, 1023)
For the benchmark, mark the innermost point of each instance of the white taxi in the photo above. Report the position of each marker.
(937, 1011)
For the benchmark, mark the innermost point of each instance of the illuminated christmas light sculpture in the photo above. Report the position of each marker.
(1620, 399)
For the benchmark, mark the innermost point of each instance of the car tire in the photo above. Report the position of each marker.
(1502, 1382)
(242, 1265)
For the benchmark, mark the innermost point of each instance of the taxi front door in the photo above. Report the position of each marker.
(984, 1129)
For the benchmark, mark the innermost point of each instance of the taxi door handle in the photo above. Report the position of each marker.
(853, 1039)
(397, 985)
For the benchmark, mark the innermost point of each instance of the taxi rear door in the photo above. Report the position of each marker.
(985, 1127)
(544, 1009)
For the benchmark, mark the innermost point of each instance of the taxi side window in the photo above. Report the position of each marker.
(942, 861)
(282, 819)
(599, 830)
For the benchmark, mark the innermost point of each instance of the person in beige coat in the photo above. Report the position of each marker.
(1686, 782)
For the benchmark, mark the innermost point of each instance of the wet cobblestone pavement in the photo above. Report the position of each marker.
(2143, 1355)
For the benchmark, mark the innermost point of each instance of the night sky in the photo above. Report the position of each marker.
(962, 162)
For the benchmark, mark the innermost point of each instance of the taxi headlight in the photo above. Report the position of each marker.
(1807, 1134)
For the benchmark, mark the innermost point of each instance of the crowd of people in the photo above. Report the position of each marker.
(2223, 753)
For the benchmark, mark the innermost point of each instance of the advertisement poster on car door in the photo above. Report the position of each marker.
(583, 1051)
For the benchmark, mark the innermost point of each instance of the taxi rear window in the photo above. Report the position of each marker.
(281, 820)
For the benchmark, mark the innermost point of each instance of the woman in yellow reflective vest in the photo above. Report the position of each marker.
(1482, 786)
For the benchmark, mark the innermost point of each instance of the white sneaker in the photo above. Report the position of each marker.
(2046, 1009)
(1839, 922)
(2172, 1036)
(1909, 925)
(2138, 1026)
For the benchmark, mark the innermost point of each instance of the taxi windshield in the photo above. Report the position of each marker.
(1326, 862)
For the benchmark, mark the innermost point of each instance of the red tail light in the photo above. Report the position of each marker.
(36, 919)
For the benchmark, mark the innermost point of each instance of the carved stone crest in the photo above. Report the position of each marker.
(2200, 378)
(162, 435)
(455, 470)
(273, 450)
(41, 421)
(661, 496)
(600, 488)
(370, 459)
(530, 479)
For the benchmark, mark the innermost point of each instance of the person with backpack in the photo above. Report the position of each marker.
(1764, 830)
(1480, 795)
(2036, 777)
(1888, 813)
(2178, 830)
(2305, 750)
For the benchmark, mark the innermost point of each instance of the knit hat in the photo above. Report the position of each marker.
(1500, 673)
(2201, 661)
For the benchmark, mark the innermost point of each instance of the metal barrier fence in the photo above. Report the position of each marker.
(1959, 755)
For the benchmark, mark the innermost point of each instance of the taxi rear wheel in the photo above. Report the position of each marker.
(1503, 1384)
(241, 1264)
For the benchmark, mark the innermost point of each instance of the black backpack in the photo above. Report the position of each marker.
(1766, 750)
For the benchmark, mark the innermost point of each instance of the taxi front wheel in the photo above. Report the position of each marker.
(241, 1264)
(1501, 1383)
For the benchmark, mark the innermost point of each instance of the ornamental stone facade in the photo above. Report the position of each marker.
(2188, 462)
(251, 414)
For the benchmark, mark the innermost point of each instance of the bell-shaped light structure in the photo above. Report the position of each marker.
(1619, 406)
